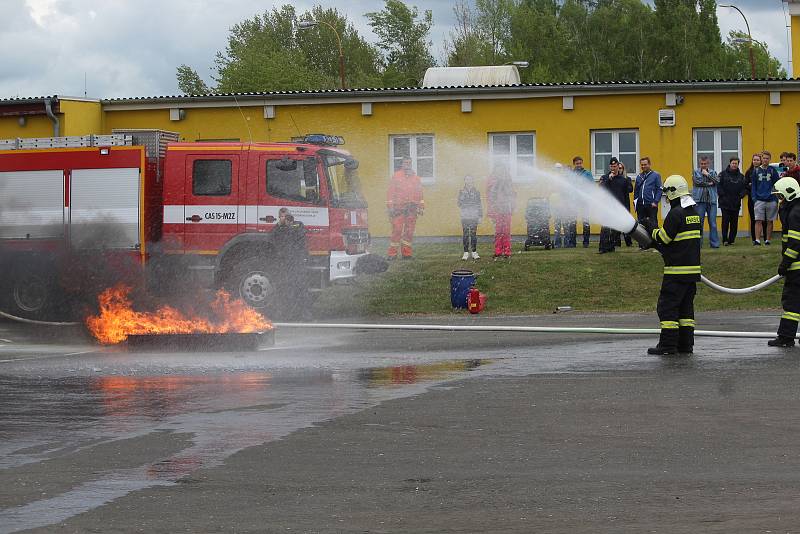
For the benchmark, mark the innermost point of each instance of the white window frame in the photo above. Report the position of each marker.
(511, 164)
(597, 173)
(426, 180)
(718, 161)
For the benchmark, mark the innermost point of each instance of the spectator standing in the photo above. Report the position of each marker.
(765, 204)
(792, 169)
(732, 188)
(501, 197)
(564, 215)
(755, 162)
(617, 186)
(623, 173)
(704, 194)
(585, 174)
(783, 164)
(647, 194)
(404, 203)
(471, 206)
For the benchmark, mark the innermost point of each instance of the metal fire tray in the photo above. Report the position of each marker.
(203, 342)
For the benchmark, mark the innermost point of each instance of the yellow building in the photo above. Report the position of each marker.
(455, 131)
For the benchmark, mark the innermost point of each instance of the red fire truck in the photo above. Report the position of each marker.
(199, 212)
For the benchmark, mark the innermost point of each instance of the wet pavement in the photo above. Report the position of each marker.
(383, 431)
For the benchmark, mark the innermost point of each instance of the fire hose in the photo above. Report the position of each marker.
(637, 232)
(640, 234)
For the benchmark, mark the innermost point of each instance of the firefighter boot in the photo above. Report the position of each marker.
(686, 339)
(781, 341)
(787, 330)
(667, 343)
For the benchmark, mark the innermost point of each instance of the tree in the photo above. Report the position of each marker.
(403, 37)
(319, 44)
(465, 46)
(268, 53)
(189, 82)
(737, 58)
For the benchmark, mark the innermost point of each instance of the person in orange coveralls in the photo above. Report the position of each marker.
(404, 203)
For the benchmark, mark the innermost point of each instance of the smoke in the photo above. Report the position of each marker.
(567, 192)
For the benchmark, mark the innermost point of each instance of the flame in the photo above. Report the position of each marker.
(118, 320)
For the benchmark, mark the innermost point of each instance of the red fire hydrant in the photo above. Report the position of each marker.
(475, 300)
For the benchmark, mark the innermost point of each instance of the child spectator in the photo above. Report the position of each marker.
(469, 202)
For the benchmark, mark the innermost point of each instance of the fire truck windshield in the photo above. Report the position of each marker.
(344, 182)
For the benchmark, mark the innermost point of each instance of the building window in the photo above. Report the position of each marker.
(621, 144)
(421, 150)
(516, 151)
(719, 144)
(211, 177)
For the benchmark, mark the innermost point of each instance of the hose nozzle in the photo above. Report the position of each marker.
(641, 236)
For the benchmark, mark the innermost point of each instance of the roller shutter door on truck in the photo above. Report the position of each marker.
(104, 208)
(31, 204)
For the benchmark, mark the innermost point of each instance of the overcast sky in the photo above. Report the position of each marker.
(131, 47)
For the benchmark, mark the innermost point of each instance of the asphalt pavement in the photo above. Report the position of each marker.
(360, 431)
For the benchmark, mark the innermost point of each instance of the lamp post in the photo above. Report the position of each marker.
(750, 38)
(306, 24)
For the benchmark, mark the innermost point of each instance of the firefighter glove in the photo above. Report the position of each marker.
(783, 268)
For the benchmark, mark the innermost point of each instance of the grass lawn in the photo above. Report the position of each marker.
(538, 281)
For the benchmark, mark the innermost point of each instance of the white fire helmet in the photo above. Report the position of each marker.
(786, 188)
(675, 186)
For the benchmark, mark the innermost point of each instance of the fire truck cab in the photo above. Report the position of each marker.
(184, 212)
(221, 202)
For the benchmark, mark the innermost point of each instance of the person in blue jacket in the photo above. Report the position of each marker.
(586, 174)
(647, 194)
(765, 204)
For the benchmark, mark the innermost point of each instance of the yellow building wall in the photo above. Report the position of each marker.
(461, 139)
(35, 126)
(80, 117)
(795, 45)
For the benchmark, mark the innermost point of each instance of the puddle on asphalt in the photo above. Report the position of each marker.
(224, 412)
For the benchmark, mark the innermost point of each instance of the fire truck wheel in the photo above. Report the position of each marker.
(256, 285)
(30, 294)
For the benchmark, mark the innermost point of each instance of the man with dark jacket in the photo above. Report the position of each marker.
(619, 186)
(647, 194)
(679, 243)
(787, 191)
(731, 189)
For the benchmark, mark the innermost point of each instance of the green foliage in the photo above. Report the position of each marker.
(403, 37)
(737, 58)
(564, 41)
(598, 40)
(268, 53)
(189, 82)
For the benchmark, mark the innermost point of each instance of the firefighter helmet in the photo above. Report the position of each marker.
(786, 188)
(675, 186)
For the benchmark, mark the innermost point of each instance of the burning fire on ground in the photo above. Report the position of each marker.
(118, 320)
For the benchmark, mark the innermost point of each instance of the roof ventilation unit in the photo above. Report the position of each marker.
(666, 117)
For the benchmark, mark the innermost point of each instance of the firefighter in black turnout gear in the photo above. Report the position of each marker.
(679, 243)
(787, 190)
(291, 256)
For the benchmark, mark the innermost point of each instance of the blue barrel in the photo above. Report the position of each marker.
(460, 282)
